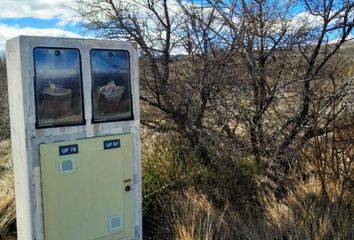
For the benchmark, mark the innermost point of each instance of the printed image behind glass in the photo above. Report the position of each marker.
(58, 86)
(110, 85)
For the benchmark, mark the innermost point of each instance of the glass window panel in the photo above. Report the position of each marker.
(58, 87)
(111, 89)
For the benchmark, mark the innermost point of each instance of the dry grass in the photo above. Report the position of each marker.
(192, 210)
(189, 215)
(7, 200)
(304, 214)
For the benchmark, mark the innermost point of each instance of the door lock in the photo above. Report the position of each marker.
(127, 188)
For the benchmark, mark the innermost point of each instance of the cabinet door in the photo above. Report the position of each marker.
(87, 189)
(58, 87)
(111, 85)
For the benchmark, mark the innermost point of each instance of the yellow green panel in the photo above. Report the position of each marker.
(83, 189)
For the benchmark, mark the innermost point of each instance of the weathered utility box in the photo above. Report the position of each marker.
(74, 111)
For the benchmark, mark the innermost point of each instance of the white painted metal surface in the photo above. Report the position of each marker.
(25, 137)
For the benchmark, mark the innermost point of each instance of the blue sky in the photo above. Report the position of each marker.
(38, 17)
(54, 18)
(40, 23)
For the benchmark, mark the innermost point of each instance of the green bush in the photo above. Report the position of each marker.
(170, 166)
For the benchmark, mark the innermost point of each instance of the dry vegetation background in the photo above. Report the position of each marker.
(7, 203)
(247, 116)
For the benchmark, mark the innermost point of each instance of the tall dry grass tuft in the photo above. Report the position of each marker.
(189, 215)
(306, 214)
(7, 215)
(316, 217)
(7, 200)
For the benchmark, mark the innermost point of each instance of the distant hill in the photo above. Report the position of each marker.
(348, 49)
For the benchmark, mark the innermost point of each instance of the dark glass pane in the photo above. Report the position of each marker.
(58, 87)
(111, 90)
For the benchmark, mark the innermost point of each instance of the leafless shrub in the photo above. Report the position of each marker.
(4, 108)
(247, 71)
